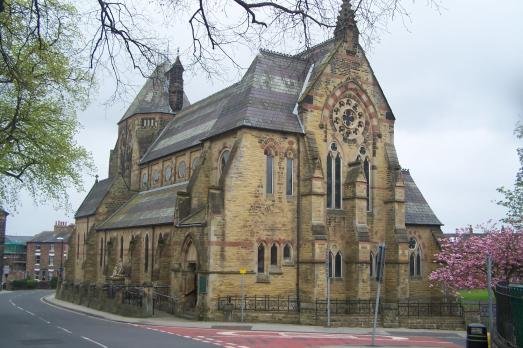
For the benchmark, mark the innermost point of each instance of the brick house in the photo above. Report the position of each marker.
(290, 174)
(47, 252)
(15, 256)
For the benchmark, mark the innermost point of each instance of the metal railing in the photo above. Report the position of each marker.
(509, 313)
(264, 303)
(164, 303)
(133, 296)
(430, 309)
(347, 306)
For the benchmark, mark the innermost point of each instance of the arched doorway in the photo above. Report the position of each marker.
(190, 279)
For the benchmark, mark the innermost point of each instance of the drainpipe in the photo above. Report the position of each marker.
(298, 221)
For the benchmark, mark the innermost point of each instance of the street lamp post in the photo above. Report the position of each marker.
(61, 239)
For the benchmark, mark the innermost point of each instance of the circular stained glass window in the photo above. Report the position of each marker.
(349, 120)
(334, 147)
(144, 180)
(181, 169)
(156, 176)
(167, 173)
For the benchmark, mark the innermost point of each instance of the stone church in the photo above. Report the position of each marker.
(291, 175)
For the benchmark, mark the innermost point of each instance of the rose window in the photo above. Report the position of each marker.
(349, 120)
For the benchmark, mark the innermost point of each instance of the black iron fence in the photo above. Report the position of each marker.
(164, 303)
(133, 296)
(430, 309)
(265, 303)
(509, 313)
(347, 306)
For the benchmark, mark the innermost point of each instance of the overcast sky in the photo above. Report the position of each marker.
(454, 81)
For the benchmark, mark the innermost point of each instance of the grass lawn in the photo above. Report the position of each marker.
(474, 294)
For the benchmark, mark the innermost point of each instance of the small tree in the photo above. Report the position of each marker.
(513, 198)
(463, 258)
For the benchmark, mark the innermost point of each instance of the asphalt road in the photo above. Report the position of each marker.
(25, 321)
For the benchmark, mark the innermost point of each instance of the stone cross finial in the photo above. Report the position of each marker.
(96, 178)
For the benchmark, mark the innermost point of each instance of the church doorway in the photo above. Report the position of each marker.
(190, 282)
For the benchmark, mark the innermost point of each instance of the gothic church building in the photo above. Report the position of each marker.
(289, 170)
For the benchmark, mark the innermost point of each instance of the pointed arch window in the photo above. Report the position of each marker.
(337, 265)
(334, 175)
(414, 258)
(274, 255)
(224, 158)
(289, 177)
(101, 252)
(269, 173)
(371, 264)
(77, 245)
(146, 253)
(287, 256)
(121, 248)
(261, 258)
(367, 171)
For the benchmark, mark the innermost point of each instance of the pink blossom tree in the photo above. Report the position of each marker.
(463, 258)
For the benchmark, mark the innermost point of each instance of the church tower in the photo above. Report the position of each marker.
(175, 76)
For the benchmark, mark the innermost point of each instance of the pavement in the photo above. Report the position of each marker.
(230, 334)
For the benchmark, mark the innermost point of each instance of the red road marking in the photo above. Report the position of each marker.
(262, 339)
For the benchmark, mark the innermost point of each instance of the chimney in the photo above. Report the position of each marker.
(175, 76)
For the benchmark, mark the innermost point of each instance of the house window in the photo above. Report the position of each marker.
(51, 248)
(287, 257)
(334, 166)
(289, 176)
(51, 260)
(269, 173)
(121, 248)
(224, 158)
(261, 258)
(146, 261)
(274, 255)
(414, 258)
(37, 260)
(37, 248)
(366, 169)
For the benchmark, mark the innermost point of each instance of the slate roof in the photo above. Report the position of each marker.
(417, 210)
(153, 207)
(18, 240)
(94, 198)
(154, 95)
(50, 237)
(264, 98)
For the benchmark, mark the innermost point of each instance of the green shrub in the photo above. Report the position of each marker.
(53, 282)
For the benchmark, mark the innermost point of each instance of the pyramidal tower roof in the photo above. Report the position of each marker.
(154, 95)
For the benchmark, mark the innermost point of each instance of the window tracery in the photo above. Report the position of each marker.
(414, 258)
(224, 158)
(334, 175)
(348, 118)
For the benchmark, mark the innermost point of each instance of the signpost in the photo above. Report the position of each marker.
(379, 277)
(242, 287)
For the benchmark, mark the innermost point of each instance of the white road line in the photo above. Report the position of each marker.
(45, 321)
(64, 329)
(93, 341)
(30, 313)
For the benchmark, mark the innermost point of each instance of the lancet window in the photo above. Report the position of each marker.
(334, 166)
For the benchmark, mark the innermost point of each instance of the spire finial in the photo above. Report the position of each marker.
(178, 51)
(346, 23)
(96, 178)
